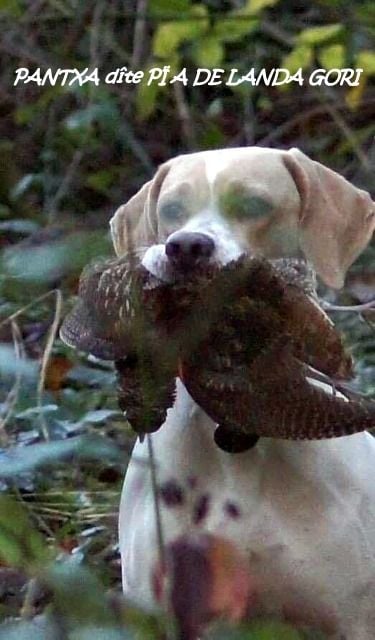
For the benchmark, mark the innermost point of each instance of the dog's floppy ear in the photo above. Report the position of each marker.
(135, 223)
(336, 219)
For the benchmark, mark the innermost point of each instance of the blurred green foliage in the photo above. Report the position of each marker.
(69, 156)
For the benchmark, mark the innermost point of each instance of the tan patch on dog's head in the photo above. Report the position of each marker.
(277, 203)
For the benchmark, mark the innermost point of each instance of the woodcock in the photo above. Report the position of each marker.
(249, 340)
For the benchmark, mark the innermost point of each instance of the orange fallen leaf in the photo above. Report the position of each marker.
(57, 369)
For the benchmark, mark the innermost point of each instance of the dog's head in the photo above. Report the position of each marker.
(215, 205)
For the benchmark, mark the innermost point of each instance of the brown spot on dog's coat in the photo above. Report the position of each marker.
(172, 494)
(232, 509)
(201, 508)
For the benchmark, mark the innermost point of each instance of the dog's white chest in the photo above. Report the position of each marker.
(304, 513)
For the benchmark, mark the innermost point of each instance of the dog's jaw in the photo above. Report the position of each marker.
(156, 262)
(227, 246)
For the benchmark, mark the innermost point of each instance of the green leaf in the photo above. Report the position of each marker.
(101, 180)
(258, 631)
(332, 57)
(146, 99)
(90, 376)
(255, 6)
(31, 412)
(11, 366)
(20, 544)
(24, 184)
(354, 95)
(208, 52)
(19, 225)
(5, 211)
(79, 595)
(318, 35)
(90, 632)
(29, 631)
(105, 113)
(26, 113)
(300, 57)
(170, 35)
(12, 7)
(169, 7)
(44, 263)
(147, 95)
(233, 29)
(366, 60)
(99, 415)
(18, 460)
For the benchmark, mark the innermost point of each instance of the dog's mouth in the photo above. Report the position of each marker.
(186, 273)
(158, 264)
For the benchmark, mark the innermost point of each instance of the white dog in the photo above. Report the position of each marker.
(303, 512)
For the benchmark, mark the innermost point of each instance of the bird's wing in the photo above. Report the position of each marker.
(290, 399)
(278, 396)
(81, 329)
(314, 337)
(101, 323)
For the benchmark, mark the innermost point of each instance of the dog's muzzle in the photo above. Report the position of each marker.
(188, 249)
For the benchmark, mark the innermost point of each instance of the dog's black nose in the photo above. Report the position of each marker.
(188, 249)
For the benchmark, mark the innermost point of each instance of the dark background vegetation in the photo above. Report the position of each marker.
(68, 157)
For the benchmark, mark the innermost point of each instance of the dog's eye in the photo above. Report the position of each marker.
(241, 206)
(172, 211)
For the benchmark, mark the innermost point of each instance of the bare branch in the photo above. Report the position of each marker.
(184, 116)
(139, 34)
(45, 360)
(355, 307)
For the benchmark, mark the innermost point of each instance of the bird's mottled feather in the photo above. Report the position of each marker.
(247, 341)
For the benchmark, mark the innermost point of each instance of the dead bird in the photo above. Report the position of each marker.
(249, 341)
(108, 322)
(125, 314)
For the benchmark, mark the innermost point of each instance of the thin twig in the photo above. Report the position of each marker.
(136, 147)
(48, 195)
(348, 133)
(28, 609)
(65, 183)
(369, 322)
(47, 352)
(299, 118)
(45, 360)
(42, 525)
(21, 51)
(95, 34)
(170, 623)
(278, 34)
(31, 13)
(155, 495)
(78, 155)
(354, 307)
(287, 126)
(249, 119)
(184, 116)
(139, 34)
(28, 306)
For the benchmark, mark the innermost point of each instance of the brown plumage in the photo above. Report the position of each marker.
(246, 340)
(108, 322)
